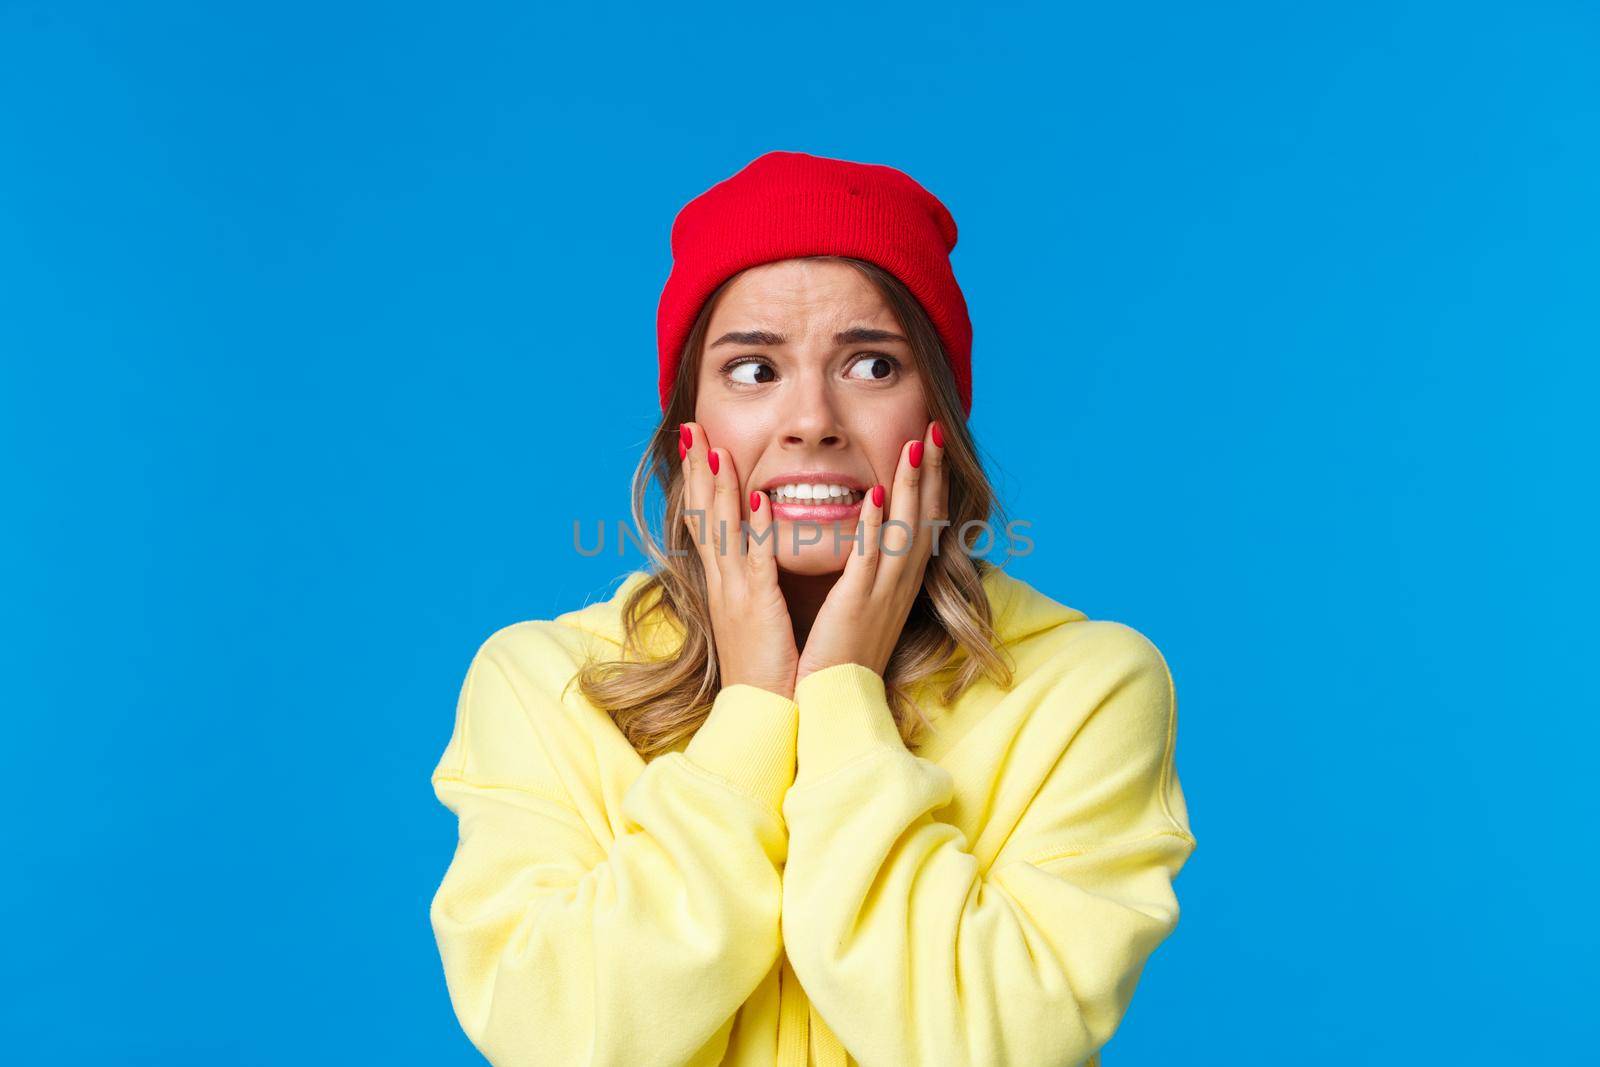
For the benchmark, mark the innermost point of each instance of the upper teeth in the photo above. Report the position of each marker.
(815, 493)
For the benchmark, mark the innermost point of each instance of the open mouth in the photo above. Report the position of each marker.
(815, 496)
(816, 502)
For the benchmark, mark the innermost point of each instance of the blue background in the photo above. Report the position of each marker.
(322, 323)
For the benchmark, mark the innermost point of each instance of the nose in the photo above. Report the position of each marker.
(812, 418)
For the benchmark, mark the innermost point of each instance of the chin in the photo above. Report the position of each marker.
(813, 561)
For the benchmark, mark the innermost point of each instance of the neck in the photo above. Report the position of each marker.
(804, 594)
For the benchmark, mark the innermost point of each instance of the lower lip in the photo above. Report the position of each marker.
(816, 512)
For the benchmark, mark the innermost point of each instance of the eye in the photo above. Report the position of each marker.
(736, 371)
(878, 366)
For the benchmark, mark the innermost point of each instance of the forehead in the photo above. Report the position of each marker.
(797, 291)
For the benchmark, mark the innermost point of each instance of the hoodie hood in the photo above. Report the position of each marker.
(1019, 610)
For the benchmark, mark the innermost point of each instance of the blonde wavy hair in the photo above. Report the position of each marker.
(659, 703)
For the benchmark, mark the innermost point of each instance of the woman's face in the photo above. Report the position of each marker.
(806, 378)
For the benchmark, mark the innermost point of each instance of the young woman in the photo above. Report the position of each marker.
(788, 799)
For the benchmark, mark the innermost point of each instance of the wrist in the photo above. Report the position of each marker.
(782, 689)
(820, 665)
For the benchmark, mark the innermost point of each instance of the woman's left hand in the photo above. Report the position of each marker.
(861, 619)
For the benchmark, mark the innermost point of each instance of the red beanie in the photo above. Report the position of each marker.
(788, 204)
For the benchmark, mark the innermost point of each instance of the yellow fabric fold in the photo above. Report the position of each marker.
(847, 716)
(749, 738)
(796, 887)
(926, 940)
(600, 910)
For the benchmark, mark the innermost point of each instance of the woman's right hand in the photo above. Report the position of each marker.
(752, 633)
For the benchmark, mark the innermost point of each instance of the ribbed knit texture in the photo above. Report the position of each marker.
(787, 204)
(847, 717)
(796, 887)
(749, 739)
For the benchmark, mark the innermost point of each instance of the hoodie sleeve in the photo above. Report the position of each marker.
(914, 953)
(564, 942)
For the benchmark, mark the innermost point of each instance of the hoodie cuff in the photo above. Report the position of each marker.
(749, 740)
(844, 714)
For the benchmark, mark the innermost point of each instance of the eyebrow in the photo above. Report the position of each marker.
(854, 336)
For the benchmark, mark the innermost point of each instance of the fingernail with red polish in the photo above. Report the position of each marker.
(877, 496)
(755, 501)
(681, 450)
(938, 436)
(713, 461)
(916, 453)
(686, 436)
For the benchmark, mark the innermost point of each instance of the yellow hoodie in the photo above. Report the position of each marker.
(794, 887)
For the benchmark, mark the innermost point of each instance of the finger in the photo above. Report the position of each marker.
(935, 490)
(726, 537)
(904, 505)
(865, 552)
(761, 546)
(697, 496)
